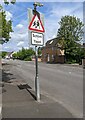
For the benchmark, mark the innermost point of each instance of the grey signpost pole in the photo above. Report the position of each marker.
(37, 87)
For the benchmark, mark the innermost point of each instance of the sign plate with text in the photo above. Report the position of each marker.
(37, 39)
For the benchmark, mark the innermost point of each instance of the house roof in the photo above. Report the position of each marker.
(52, 42)
(9, 53)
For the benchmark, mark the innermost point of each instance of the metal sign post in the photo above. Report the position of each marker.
(37, 39)
(37, 89)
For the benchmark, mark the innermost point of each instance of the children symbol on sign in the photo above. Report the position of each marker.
(36, 24)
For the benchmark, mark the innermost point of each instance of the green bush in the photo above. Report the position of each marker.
(3, 54)
(14, 56)
(28, 59)
(71, 62)
(24, 54)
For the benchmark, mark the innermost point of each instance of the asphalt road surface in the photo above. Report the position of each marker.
(61, 83)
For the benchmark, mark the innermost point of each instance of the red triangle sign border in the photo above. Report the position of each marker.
(34, 28)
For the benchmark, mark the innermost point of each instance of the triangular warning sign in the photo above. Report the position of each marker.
(36, 24)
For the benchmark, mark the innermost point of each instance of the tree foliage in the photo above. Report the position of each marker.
(39, 51)
(71, 32)
(3, 54)
(24, 54)
(7, 2)
(5, 26)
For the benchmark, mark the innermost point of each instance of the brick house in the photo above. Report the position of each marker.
(53, 52)
(83, 60)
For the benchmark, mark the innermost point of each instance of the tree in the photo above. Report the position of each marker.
(5, 26)
(7, 2)
(70, 32)
(39, 51)
(3, 54)
(24, 54)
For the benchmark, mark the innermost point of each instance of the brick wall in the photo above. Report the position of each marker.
(52, 55)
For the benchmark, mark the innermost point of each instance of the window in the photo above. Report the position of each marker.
(51, 42)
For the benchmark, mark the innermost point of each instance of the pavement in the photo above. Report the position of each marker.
(19, 102)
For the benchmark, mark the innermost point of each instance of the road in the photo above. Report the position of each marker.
(61, 83)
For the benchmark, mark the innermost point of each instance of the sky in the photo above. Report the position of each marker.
(53, 11)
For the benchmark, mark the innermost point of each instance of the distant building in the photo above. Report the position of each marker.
(9, 55)
(53, 52)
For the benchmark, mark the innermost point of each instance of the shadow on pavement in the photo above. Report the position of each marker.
(27, 87)
(6, 76)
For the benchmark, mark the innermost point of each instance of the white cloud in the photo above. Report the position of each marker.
(6, 47)
(20, 33)
(8, 16)
(20, 43)
(54, 36)
(26, 47)
(19, 26)
(19, 38)
(19, 48)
